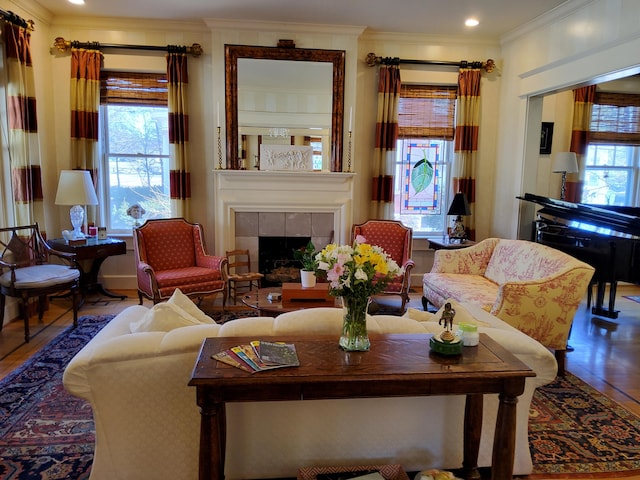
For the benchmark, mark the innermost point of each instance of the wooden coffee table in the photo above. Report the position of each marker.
(259, 300)
(397, 365)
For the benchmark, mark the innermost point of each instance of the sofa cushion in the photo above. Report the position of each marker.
(474, 289)
(516, 260)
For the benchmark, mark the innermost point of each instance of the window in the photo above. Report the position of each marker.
(135, 145)
(612, 163)
(426, 125)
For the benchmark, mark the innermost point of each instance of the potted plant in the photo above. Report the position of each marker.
(307, 257)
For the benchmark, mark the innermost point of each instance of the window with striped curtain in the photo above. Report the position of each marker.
(134, 114)
(426, 127)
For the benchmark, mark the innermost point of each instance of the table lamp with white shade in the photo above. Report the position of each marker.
(564, 162)
(75, 188)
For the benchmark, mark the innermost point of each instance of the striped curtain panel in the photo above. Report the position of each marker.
(385, 147)
(23, 143)
(466, 141)
(583, 99)
(85, 104)
(179, 176)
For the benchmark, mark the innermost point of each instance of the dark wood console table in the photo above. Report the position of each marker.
(397, 365)
(94, 252)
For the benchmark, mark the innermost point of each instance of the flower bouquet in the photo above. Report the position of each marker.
(356, 273)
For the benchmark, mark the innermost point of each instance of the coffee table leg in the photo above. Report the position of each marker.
(504, 441)
(472, 432)
(213, 433)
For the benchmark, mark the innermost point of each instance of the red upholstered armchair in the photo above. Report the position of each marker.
(395, 239)
(170, 254)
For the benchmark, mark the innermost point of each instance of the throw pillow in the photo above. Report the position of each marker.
(169, 315)
(185, 303)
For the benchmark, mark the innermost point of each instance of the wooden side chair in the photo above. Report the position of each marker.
(397, 240)
(239, 275)
(26, 272)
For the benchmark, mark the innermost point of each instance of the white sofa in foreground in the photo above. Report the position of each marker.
(147, 421)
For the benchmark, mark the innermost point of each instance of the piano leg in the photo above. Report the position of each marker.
(598, 308)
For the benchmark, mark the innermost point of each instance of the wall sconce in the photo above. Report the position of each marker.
(564, 162)
(459, 207)
(75, 187)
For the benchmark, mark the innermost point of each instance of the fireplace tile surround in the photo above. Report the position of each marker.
(250, 204)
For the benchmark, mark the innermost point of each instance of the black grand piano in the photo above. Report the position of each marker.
(605, 237)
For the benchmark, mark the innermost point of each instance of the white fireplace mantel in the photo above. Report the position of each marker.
(280, 191)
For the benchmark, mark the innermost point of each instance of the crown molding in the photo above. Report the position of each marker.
(130, 24)
(428, 39)
(561, 11)
(298, 28)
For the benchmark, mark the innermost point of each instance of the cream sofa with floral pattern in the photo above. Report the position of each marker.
(534, 288)
(135, 374)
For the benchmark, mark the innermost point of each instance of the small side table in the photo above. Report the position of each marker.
(447, 244)
(96, 251)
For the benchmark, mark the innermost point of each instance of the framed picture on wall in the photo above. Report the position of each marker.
(546, 137)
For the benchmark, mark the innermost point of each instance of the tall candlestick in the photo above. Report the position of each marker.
(350, 117)
(218, 109)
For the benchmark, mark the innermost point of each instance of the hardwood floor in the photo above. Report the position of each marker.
(606, 352)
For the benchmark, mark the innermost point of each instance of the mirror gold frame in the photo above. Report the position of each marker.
(234, 52)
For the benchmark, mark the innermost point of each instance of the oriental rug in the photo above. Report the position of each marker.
(45, 433)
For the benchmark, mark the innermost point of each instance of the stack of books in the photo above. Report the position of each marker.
(260, 355)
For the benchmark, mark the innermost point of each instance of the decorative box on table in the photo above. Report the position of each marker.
(389, 472)
(295, 295)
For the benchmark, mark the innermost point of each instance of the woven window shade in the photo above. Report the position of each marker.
(129, 88)
(615, 119)
(427, 111)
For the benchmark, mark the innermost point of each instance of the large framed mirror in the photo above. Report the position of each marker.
(280, 94)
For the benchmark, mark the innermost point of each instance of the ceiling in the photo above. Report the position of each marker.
(435, 17)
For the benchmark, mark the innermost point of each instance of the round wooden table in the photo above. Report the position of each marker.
(259, 299)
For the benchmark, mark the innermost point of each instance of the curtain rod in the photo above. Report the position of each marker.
(11, 17)
(64, 46)
(372, 60)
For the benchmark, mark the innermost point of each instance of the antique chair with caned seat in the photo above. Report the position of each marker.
(396, 239)
(26, 272)
(239, 275)
(170, 254)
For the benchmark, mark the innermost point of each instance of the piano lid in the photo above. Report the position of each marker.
(588, 217)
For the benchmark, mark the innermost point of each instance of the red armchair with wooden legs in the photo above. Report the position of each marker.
(170, 254)
(397, 240)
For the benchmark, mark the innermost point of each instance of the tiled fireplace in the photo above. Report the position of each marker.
(252, 204)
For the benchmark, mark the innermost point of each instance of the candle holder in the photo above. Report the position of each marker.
(219, 150)
(349, 154)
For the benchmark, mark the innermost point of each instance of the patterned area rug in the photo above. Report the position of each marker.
(634, 298)
(574, 429)
(46, 433)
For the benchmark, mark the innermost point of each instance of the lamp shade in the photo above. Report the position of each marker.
(75, 188)
(564, 162)
(459, 205)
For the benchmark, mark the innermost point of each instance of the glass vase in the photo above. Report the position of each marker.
(354, 336)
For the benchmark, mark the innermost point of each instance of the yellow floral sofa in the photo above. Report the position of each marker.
(530, 286)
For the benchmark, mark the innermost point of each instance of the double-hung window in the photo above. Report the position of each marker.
(612, 164)
(426, 126)
(135, 147)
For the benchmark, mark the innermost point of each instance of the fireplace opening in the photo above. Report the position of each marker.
(275, 259)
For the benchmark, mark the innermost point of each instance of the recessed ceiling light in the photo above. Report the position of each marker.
(77, 2)
(471, 22)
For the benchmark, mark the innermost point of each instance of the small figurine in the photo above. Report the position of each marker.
(136, 212)
(447, 317)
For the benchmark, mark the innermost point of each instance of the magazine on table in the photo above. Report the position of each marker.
(259, 355)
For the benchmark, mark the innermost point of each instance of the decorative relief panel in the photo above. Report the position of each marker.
(286, 157)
